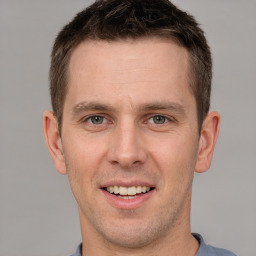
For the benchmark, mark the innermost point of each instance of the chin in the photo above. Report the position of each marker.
(133, 235)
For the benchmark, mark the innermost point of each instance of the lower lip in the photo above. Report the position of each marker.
(127, 204)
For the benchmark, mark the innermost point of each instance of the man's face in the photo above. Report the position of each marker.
(130, 125)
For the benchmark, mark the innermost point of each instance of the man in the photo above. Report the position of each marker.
(130, 87)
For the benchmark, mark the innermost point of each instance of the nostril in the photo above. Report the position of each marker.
(136, 162)
(126, 163)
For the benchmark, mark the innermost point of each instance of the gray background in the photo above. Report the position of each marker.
(38, 215)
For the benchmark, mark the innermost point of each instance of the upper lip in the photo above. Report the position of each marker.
(127, 183)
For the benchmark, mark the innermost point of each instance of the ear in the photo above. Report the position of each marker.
(208, 138)
(53, 141)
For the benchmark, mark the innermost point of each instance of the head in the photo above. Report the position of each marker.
(130, 87)
(115, 20)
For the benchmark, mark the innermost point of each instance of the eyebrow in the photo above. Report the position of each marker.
(154, 106)
(172, 106)
(90, 106)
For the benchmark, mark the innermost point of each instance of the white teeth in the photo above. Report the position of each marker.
(111, 190)
(116, 190)
(138, 189)
(123, 191)
(131, 191)
(127, 191)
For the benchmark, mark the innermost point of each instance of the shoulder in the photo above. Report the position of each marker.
(78, 251)
(208, 250)
(219, 251)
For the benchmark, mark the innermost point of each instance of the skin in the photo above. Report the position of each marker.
(126, 85)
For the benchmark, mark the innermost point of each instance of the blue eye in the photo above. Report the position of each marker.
(158, 119)
(96, 120)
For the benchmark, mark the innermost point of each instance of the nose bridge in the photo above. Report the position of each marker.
(127, 148)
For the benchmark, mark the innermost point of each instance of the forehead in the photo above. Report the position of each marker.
(122, 54)
(128, 67)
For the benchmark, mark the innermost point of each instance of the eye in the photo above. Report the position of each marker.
(96, 120)
(158, 119)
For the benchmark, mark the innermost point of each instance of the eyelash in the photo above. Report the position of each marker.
(105, 120)
(89, 119)
(166, 119)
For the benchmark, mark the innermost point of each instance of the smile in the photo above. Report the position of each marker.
(127, 192)
(128, 197)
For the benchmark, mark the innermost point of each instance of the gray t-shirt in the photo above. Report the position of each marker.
(204, 250)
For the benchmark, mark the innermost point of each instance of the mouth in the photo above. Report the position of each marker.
(128, 192)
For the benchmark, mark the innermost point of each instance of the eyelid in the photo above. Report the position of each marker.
(87, 118)
(107, 119)
(168, 118)
(104, 120)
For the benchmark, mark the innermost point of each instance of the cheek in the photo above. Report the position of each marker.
(176, 162)
(82, 160)
(175, 158)
(82, 152)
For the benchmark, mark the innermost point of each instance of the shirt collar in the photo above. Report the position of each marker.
(201, 251)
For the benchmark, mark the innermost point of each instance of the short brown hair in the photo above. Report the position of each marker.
(121, 19)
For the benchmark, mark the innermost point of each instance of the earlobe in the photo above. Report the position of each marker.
(208, 138)
(53, 141)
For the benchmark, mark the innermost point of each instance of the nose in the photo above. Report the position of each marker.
(127, 148)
